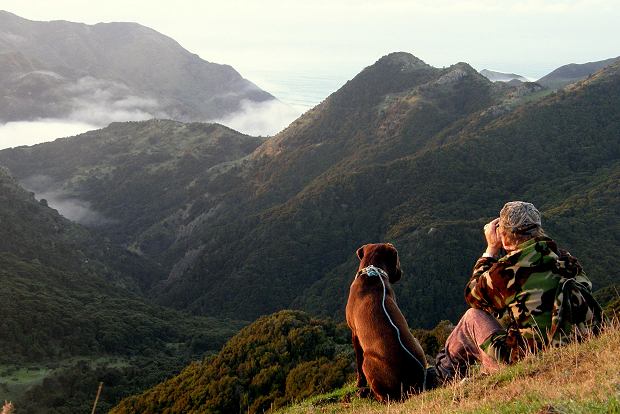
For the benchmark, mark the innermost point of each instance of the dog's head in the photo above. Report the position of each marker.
(383, 255)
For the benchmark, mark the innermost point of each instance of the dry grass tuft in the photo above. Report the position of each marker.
(7, 408)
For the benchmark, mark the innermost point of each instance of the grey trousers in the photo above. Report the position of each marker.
(462, 347)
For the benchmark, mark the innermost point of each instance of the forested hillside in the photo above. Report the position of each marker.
(422, 160)
(69, 297)
(278, 359)
(404, 152)
(139, 178)
(203, 219)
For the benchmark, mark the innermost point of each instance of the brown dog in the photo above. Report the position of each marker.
(389, 359)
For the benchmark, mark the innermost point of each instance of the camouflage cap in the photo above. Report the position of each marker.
(519, 217)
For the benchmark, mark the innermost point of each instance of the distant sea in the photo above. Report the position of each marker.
(301, 90)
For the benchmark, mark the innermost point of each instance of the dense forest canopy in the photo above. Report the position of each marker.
(202, 219)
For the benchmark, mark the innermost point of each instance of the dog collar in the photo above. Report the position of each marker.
(371, 271)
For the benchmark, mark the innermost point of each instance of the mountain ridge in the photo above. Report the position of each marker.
(277, 227)
(235, 226)
(122, 67)
(573, 72)
(173, 151)
(501, 76)
(277, 215)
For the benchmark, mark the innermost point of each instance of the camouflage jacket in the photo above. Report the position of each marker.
(540, 290)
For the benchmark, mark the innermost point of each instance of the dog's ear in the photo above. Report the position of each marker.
(393, 263)
(360, 252)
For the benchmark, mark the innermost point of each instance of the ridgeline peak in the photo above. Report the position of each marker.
(406, 61)
(466, 68)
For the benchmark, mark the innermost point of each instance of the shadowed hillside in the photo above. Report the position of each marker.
(404, 152)
(277, 359)
(71, 315)
(132, 175)
(424, 167)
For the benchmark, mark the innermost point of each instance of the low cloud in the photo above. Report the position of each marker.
(95, 104)
(14, 134)
(101, 102)
(260, 118)
(74, 209)
(103, 115)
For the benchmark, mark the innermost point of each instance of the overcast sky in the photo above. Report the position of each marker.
(530, 37)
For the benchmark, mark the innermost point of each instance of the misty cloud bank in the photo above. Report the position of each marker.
(101, 102)
(93, 104)
(14, 134)
(260, 118)
(74, 209)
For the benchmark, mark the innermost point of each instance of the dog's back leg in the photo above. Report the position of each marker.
(385, 384)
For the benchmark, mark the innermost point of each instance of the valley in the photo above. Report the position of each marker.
(186, 264)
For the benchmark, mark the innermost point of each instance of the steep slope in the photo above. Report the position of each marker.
(436, 202)
(35, 233)
(61, 69)
(422, 177)
(278, 359)
(573, 72)
(429, 196)
(65, 296)
(391, 109)
(132, 175)
(562, 380)
(404, 152)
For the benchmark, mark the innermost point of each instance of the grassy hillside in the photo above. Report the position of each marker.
(579, 378)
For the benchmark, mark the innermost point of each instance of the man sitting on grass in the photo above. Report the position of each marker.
(539, 292)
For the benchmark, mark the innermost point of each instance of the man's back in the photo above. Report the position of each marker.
(528, 284)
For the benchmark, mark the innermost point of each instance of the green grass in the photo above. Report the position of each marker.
(533, 97)
(15, 380)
